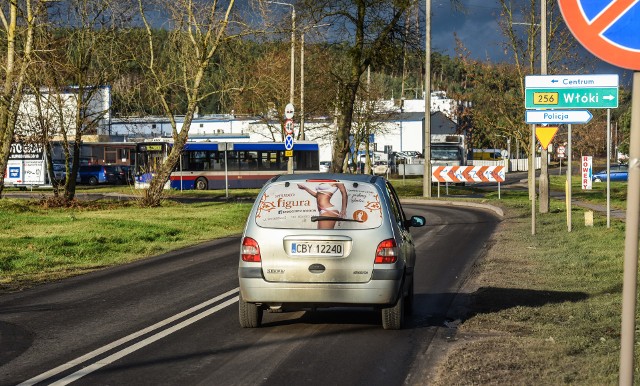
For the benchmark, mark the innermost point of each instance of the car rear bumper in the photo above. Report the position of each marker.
(373, 292)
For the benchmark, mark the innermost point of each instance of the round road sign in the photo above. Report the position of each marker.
(288, 127)
(288, 142)
(288, 111)
(609, 29)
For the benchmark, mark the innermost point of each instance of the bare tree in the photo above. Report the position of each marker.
(196, 32)
(370, 28)
(370, 118)
(19, 19)
(266, 90)
(81, 60)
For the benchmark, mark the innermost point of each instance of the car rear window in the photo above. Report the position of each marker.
(313, 204)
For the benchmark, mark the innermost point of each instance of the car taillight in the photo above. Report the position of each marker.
(387, 252)
(250, 250)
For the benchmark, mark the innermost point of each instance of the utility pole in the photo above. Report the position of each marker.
(302, 85)
(544, 157)
(426, 181)
(293, 71)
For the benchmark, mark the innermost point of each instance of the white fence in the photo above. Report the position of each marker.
(512, 165)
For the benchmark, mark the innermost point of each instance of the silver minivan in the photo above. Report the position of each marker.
(324, 240)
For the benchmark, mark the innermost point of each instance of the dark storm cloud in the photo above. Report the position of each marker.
(476, 26)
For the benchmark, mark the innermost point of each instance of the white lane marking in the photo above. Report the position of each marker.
(46, 375)
(145, 342)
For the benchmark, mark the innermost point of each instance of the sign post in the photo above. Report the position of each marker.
(610, 31)
(288, 128)
(226, 146)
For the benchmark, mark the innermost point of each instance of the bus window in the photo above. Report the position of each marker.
(233, 162)
(306, 160)
(249, 160)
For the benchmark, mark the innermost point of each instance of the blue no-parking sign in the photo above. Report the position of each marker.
(288, 142)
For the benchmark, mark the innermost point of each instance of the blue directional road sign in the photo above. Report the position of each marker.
(288, 142)
(557, 116)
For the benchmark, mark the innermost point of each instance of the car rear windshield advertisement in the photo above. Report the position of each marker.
(320, 204)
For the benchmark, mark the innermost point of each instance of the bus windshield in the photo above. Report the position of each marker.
(149, 159)
(445, 153)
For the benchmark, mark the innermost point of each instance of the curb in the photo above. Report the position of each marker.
(498, 211)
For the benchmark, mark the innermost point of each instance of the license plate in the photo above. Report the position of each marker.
(323, 248)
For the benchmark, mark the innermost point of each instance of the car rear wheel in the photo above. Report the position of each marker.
(93, 181)
(597, 180)
(393, 317)
(201, 184)
(250, 314)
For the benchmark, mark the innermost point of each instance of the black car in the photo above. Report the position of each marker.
(125, 173)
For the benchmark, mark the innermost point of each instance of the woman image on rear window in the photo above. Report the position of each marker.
(323, 193)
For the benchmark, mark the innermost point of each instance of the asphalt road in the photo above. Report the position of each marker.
(172, 320)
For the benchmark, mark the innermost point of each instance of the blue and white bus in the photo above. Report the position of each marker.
(202, 164)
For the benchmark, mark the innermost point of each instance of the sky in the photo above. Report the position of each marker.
(477, 28)
(479, 31)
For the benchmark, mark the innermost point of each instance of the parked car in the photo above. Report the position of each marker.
(322, 240)
(619, 172)
(325, 166)
(126, 174)
(123, 174)
(98, 174)
(380, 167)
(60, 172)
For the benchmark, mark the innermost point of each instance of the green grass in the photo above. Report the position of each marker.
(598, 193)
(544, 308)
(40, 244)
(541, 309)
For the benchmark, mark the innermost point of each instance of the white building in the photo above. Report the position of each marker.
(402, 130)
(60, 108)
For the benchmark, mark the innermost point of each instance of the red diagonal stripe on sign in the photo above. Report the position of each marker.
(436, 174)
(480, 173)
(466, 173)
(452, 174)
(610, 14)
(496, 173)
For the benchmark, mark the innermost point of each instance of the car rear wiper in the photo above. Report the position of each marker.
(329, 218)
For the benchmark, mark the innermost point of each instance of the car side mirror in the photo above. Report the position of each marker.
(416, 221)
